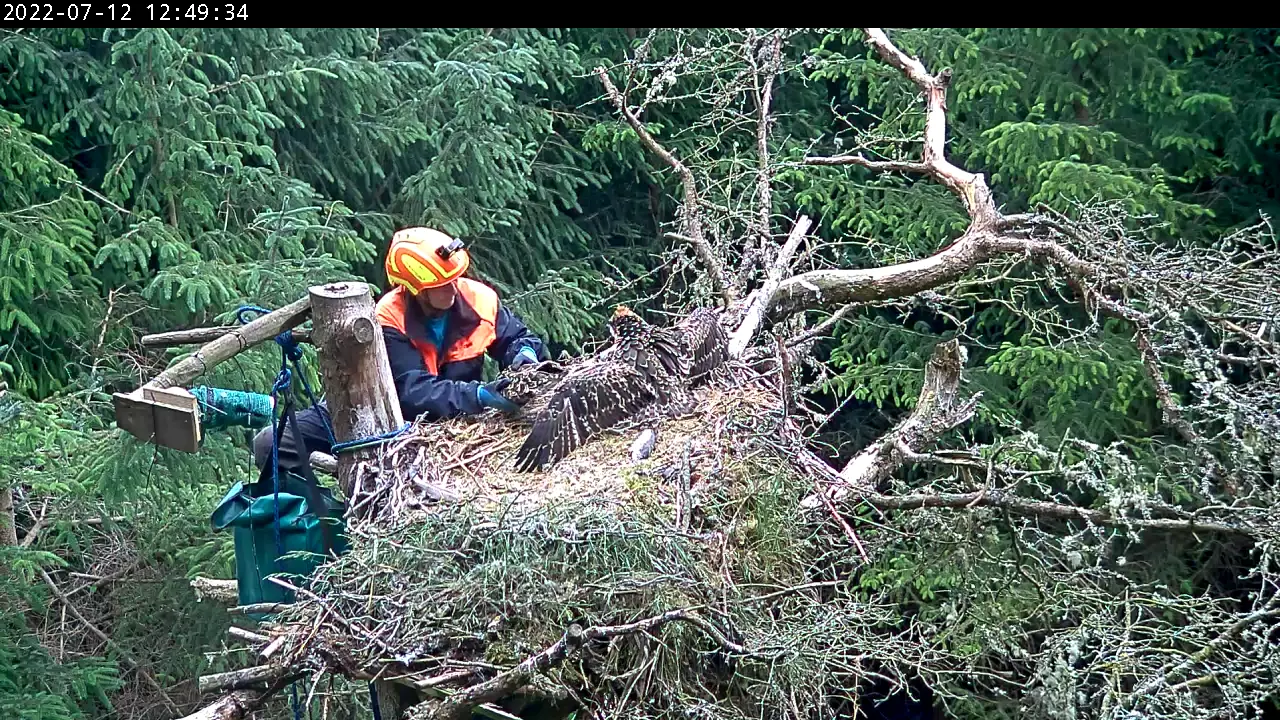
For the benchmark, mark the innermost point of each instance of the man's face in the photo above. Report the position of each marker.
(434, 300)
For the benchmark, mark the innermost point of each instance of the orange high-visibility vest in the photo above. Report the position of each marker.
(393, 312)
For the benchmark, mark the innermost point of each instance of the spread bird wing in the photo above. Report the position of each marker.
(667, 352)
(587, 401)
(707, 342)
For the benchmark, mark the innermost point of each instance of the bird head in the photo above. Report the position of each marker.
(624, 322)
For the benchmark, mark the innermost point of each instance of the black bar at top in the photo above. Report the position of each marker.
(146, 13)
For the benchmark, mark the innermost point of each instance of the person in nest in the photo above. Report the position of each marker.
(438, 325)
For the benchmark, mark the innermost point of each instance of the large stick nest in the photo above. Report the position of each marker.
(456, 592)
(470, 460)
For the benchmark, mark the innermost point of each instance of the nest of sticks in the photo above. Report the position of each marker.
(649, 585)
(470, 460)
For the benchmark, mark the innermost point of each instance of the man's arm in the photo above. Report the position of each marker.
(420, 391)
(512, 337)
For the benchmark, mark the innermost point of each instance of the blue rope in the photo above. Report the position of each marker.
(370, 441)
(289, 351)
(289, 346)
(240, 312)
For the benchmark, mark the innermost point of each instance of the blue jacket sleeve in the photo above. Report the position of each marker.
(420, 391)
(512, 335)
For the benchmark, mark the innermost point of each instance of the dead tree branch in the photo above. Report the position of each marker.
(203, 335)
(1038, 508)
(758, 302)
(1175, 670)
(242, 678)
(938, 409)
(225, 346)
(691, 221)
(762, 79)
(459, 705)
(235, 706)
(224, 592)
(146, 676)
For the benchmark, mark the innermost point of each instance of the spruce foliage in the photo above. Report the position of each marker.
(156, 178)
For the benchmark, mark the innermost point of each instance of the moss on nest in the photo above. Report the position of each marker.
(708, 521)
(474, 457)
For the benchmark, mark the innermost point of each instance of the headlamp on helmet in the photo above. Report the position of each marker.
(450, 248)
(422, 258)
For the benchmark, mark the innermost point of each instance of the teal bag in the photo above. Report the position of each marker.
(250, 512)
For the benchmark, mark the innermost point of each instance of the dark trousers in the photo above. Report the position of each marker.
(293, 454)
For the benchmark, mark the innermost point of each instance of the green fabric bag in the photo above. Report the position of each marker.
(250, 512)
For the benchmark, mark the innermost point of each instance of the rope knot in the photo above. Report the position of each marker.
(283, 381)
(289, 345)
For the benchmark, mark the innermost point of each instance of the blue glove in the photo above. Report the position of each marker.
(490, 396)
(526, 356)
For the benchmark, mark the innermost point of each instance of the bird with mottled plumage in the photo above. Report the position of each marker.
(647, 373)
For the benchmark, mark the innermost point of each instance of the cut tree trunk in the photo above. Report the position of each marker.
(361, 395)
(225, 592)
(359, 389)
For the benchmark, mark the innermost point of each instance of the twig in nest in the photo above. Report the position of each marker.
(848, 530)
(459, 705)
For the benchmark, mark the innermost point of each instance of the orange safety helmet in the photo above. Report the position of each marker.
(420, 258)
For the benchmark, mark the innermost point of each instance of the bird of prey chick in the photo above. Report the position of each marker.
(648, 372)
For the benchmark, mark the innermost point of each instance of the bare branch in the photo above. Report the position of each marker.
(458, 706)
(248, 636)
(203, 335)
(225, 346)
(878, 165)
(819, 289)
(692, 223)
(146, 676)
(762, 80)
(759, 301)
(242, 678)
(258, 608)
(1176, 670)
(235, 706)
(971, 188)
(937, 410)
(37, 526)
(822, 327)
(997, 498)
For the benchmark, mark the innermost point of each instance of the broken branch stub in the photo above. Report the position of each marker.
(938, 409)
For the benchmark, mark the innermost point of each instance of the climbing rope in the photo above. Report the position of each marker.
(289, 352)
(372, 441)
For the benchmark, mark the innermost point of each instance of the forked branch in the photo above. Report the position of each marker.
(459, 705)
(691, 220)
